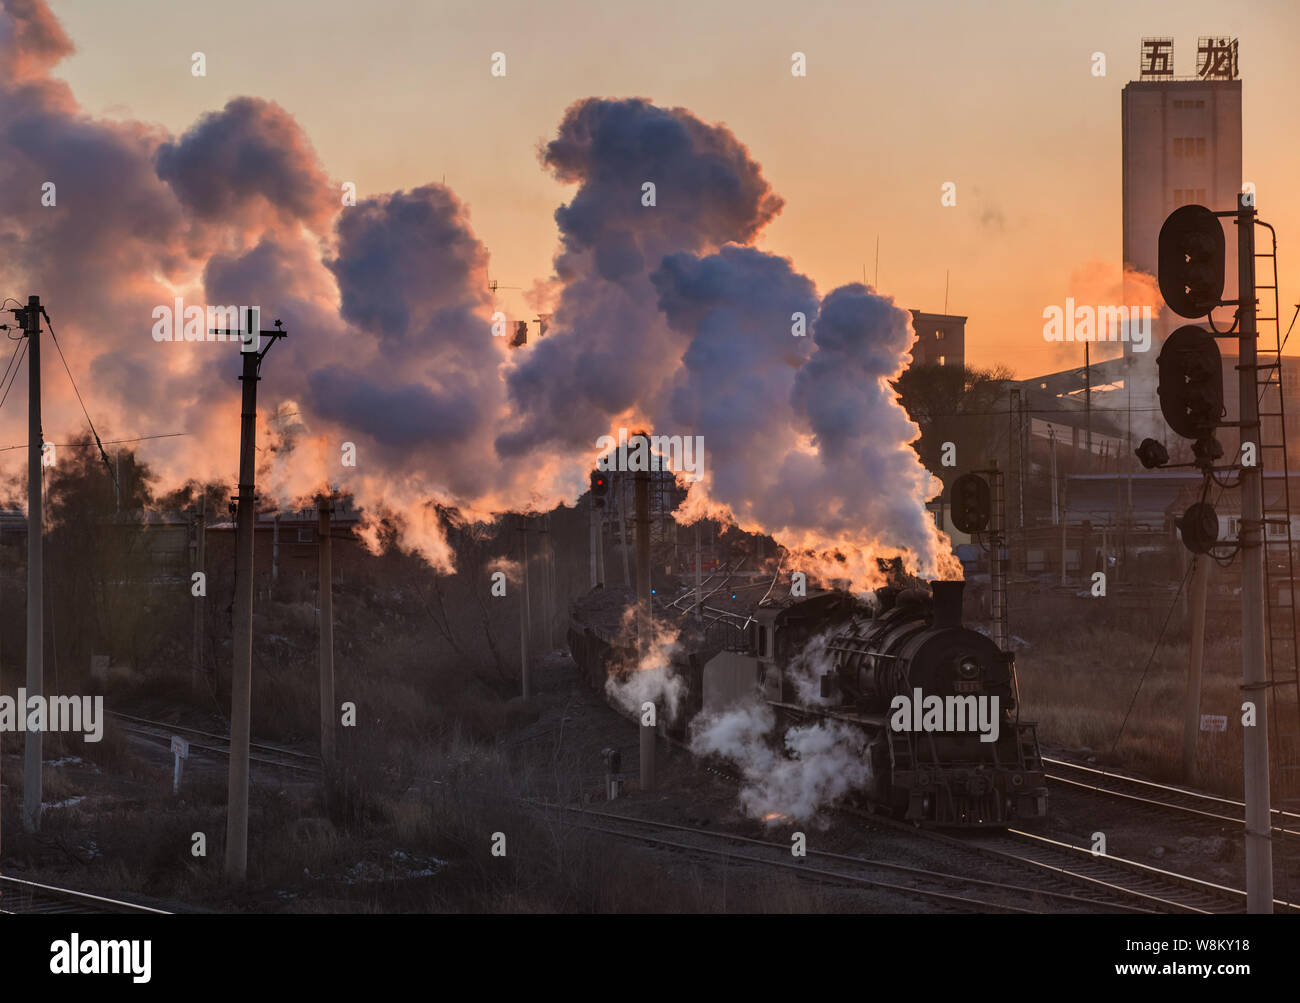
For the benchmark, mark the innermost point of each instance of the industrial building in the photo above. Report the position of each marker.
(940, 339)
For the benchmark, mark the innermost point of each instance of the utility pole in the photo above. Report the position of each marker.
(525, 610)
(645, 617)
(997, 566)
(241, 676)
(1056, 501)
(621, 481)
(31, 320)
(325, 547)
(600, 543)
(275, 549)
(1087, 405)
(200, 602)
(1195, 658)
(1259, 847)
(699, 578)
(548, 595)
(1025, 459)
(1014, 457)
(594, 534)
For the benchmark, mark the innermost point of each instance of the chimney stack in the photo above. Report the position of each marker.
(947, 602)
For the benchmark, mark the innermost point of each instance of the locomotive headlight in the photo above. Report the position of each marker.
(968, 668)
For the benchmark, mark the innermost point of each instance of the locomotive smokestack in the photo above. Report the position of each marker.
(947, 603)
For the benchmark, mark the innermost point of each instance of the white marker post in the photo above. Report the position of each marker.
(180, 752)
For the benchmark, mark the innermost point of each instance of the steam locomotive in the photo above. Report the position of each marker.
(937, 703)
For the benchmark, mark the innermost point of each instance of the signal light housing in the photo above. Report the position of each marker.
(971, 503)
(1152, 453)
(599, 484)
(1191, 382)
(1191, 261)
(1199, 527)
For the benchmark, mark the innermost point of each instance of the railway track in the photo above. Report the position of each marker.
(1117, 892)
(953, 892)
(1164, 798)
(1113, 879)
(219, 745)
(21, 897)
(1110, 883)
(1117, 882)
(1161, 889)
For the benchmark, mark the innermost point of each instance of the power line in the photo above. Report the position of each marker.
(1034, 410)
(86, 445)
(111, 471)
(12, 367)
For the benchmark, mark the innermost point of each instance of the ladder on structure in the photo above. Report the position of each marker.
(1280, 583)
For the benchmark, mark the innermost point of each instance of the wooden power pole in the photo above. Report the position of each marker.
(32, 780)
(325, 548)
(241, 677)
(644, 616)
(593, 534)
(525, 611)
(547, 584)
(200, 602)
(1195, 659)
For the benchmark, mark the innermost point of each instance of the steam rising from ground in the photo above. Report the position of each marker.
(650, 678)
(797, 775)
(816, 765)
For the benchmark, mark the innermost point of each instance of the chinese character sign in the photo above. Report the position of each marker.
(1157, 57)
(1216, 57)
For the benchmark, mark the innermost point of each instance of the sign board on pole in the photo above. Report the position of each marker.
(180, 753)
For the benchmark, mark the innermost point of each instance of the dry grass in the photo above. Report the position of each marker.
(1086, 689)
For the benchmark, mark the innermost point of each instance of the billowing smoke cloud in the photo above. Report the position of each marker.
(819, 764)
(246, 162)
(610, 349)
(110, 243)
(662, 316)
(389, 348)
(666, 318)
(805, 442)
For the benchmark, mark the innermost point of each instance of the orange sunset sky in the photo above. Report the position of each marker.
(997, 97)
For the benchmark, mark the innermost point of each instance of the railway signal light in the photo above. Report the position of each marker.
(1199, 527)
(1152, 453)
(599, 484)
(1191, 261)
(971, 502)
(1191, 382)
